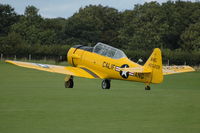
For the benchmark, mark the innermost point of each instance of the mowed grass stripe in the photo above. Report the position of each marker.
(35, 101)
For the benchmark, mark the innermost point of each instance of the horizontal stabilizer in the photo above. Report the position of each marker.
(136, 69)
(176, 69)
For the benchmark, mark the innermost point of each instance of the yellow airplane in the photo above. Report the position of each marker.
(106, 62)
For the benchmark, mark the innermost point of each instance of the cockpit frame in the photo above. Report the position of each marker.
(109, 51)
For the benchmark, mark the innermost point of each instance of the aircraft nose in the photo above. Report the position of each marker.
(71, 53)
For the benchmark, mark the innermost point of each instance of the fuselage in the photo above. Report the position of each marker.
(103, 66)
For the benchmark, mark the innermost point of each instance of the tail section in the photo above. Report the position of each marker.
(154, 63)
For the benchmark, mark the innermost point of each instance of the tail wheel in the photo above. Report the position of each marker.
(105, 84)
(69, 83)
(147, 87)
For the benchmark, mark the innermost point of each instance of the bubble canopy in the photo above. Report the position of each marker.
(109, 51)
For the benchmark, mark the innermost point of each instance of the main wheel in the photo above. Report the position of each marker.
(147, 88)
(105, 84)
(69, 83)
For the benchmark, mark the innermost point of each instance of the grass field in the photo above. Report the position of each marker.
(32, 101)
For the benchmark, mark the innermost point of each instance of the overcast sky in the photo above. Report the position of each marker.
(66, 8)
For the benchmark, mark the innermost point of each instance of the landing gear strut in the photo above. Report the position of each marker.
(69, 83)
(147, 87)
(105, 84)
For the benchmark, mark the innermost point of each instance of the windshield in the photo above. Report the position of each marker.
(109, 51)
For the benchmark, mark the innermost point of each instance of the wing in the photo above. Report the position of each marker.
(176, 69)
(75, 71)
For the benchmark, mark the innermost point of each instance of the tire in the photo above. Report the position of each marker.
(147, 88)
(69, 83)
(105, 84)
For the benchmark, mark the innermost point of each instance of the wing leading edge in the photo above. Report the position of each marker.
(75, 71)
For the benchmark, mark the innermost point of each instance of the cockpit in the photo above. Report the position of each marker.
(103, 49)
(109, 51)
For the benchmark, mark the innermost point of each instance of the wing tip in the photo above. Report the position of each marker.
(8, 61)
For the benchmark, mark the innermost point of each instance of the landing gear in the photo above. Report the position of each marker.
(147, 87)
(105, 84)
(69, 83)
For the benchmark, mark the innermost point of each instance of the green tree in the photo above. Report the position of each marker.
(7, 18)
(56, 27)
(31, 11)
(92, 24)
(179, 15)
(32, 15)
(143, 27)
(191, 38)
(31, 27)
(9, 44)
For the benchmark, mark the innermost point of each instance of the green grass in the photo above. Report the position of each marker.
(32, 101)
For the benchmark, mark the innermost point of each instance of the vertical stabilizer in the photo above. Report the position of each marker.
(154, 63)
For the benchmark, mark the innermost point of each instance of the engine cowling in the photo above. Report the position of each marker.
(74, 55)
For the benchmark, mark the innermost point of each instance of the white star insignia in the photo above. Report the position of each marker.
(124, 73)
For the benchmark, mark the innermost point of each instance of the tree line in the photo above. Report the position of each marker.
(173, 26)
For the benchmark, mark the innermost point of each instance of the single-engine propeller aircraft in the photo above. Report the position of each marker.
(106, 62)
